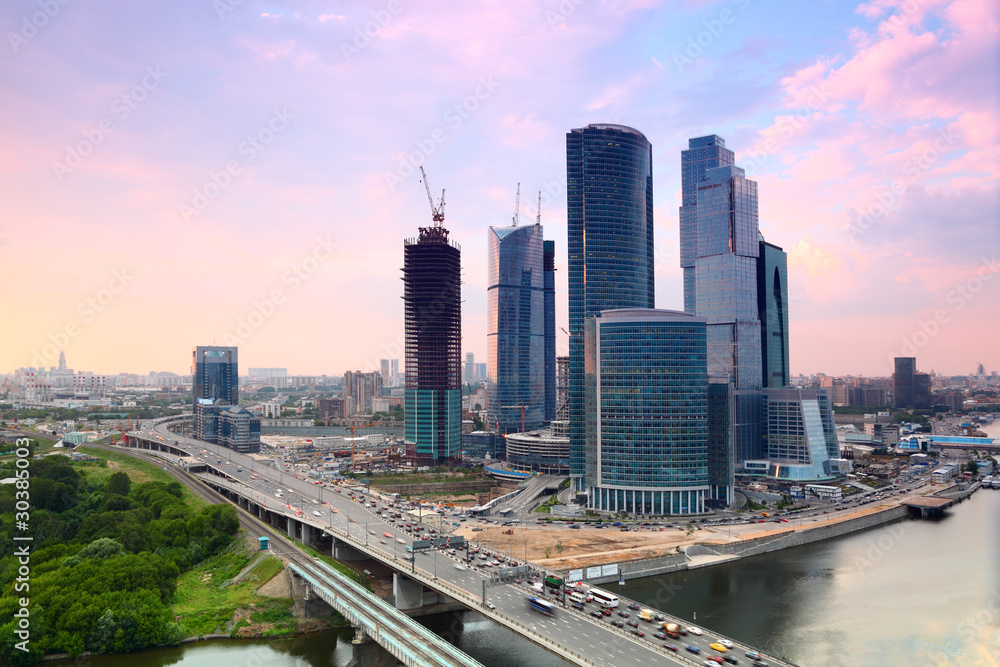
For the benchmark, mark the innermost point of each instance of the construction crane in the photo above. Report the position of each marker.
(517, 206)
(515, 407)
(437, 212)
(352, 439)
(538, 220)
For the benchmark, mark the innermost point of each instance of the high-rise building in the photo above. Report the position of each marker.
(721, 457)
(216, 374)
(772, 310)
(902, 381)
(609, 190)
(432, 279)
(469, 372)
(62, 360)
(801, 436)
(359, 389)
(646, 402)
(703, 153)
(515, 328)
(549, 268)
(386, 372)
(720, 246)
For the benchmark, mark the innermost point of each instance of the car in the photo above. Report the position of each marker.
(728, 643)
(633, 624)
(638, 633)
(759, 663)
(692, 649)
(606, 611)
(618, 624)
(624, 614)
(634, 607)
(693, 630)
(714, 660)
(753, 655)
(490, 605)
(597, 614)
(716, 646)
(660, 635)
(731, 660)
(670, 647)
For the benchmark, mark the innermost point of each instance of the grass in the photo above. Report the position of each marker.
(337, 565)
(137, 470)
(203, 608)
(266, 570)
(546, 507)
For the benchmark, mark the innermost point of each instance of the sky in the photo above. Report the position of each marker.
(239, 172)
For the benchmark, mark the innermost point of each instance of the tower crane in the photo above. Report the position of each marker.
(538, 220)
(437, 212)
(516, 407)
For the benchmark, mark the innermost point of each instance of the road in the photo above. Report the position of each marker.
(357, 517)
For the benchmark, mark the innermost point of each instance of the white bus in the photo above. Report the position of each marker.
(577, 597)
(506, 512)
(603, 598)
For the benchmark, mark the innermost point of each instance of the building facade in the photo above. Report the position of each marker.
(801, 436)
(549, 269)
(216, 374)
(609, 190)
(432, 301)
(902, 381)
(772, 311)
(646, 402)
(515, 328)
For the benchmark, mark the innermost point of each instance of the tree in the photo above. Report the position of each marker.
(690, 528)
(119, 484)
(559, 547)
(101, 548)
(972, 467)
(548, 551)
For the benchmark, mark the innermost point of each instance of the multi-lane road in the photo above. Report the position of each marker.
(600, 642)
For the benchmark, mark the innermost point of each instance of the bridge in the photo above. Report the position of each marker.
(332, 523)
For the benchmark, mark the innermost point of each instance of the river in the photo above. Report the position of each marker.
(916, 592)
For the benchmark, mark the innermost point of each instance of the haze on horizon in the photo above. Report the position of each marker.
(245, 172)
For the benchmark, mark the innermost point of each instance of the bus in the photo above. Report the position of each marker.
(541, 606)
(506, 512)
(579, 598)
(603, 598)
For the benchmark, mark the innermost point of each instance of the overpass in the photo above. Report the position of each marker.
(335, 524)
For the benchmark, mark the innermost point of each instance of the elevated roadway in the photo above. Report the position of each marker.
(320, 514)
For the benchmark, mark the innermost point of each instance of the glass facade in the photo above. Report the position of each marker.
(515, 328)
(432, 304)
(902, 381)
(216, 374)
(703, 153)
(721, 457)
(646, 407)
(549, 269)
(609, 190)
(772, 304)
(801, 437)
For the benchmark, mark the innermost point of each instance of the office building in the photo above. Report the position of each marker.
(359, 389)
(902, 382)
(549, 269)
(772, 311)
(720, 247)
(801, 437)
(515, 328)
(433, 329)
(721, 456)
(386, 372)
(609, 190)
(231, 426)
(469, 370)
(646, 406)
(330, 408)
(216, 374)
(394, 370)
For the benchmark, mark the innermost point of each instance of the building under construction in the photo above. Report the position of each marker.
(433, 313)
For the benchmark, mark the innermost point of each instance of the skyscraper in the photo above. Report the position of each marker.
(433, 324)
(772, 310)
(385, 372)
(646, 401)
(609, 190)
(902, 381)
(549, 269)
(216, 374)
(801, 436)
(515, 328)
(720, 246)
(469, 372)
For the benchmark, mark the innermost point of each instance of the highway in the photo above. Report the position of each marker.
(598, 640)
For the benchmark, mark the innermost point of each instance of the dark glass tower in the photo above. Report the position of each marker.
(609, 191)
(216, 374)
(772, 308)
(433, 323)
(516, 327)
(903, 382)
(549, 268)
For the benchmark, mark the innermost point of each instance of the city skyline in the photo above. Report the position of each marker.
(274, 160)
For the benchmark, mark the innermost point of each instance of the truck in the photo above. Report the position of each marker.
(553, 582)
(672, 630)
(647, 615)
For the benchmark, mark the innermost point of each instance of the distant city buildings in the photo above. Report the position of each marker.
(218, 418)
(609, 190)
(910, 388)
(266, 373)
(433, 329)
(358, 390)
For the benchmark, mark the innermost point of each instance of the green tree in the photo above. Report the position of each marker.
(119, 483)
(559, 547)
(972, 467)
(101, 549)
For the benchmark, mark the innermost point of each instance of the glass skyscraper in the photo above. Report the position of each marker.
(549, 260)
(801, 436)
(646, 405)
(772, 306)
(516, 328)
(719, 254)
(216, 374)
(433, 327)
(609, 191)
